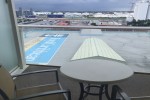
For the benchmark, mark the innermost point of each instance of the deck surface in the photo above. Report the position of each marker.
(93, 47)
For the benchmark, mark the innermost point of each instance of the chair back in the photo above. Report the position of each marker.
(7, 86)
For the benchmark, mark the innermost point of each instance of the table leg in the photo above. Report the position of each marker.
(106, 92)
(101, 92)
(103, 89)
(88, 91)
(81, 91)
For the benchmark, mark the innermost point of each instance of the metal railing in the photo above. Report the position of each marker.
(106, 28)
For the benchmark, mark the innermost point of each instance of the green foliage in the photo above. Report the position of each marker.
(139, 23)
(27, 21)
(93, 24)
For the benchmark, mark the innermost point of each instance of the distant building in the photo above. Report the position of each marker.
(24, 13)
(41, 16)
(73, 15)
(30, 16)
(41, 13)
(114, 14)
(27, 13)
(31, 11)
(55, 16)
(19, 12)
(142, 10)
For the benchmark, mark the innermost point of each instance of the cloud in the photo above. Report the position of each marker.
(80, 1)
(56, 1)
(113, 0)
(73, 5)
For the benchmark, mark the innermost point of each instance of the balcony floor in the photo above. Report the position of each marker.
(138, 85)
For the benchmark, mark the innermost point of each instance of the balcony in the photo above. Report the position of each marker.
(131, 43)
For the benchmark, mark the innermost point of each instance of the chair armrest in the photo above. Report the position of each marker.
(35, 72)
(45, 94)
(3, 95)
(117, 90)
(44, 65)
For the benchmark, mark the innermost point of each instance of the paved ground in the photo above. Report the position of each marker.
(134, 47)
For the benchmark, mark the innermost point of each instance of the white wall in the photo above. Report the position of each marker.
(140, 11)
(8, 54)
(148, 13)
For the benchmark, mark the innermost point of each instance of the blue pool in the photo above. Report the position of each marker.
(42, 52)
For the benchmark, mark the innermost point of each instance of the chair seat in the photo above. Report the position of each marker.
(29, 91)
(141, 99)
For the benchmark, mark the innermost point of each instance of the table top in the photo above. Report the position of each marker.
(96, 71)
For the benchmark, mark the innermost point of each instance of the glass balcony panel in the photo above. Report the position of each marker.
(8, 54)
(55, 46)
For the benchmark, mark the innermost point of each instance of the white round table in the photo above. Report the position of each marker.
(96, 71)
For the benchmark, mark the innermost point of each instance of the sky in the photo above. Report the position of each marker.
(75, 5)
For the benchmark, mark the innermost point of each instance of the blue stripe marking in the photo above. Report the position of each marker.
(42, 52)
